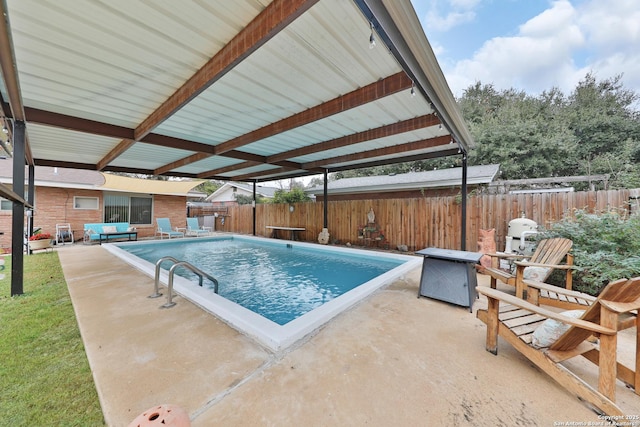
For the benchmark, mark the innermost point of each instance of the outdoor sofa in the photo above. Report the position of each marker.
(97, 232)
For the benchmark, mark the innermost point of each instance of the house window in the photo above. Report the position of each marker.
(87, 203)
(6, 205)
(131, 209)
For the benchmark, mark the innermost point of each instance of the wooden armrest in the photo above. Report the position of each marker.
(504, 255)
(558, 290)
(510, 299)
(536, 264)
(621, 307)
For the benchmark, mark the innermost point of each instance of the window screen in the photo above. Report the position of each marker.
(140, 210)
(134, 210)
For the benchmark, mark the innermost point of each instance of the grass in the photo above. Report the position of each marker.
(45, 377)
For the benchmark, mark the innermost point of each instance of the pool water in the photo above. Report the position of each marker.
(314, 273)
(278, 280)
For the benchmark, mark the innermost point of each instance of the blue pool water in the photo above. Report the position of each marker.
(277, 280)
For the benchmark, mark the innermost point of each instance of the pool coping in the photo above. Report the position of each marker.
(271, 335)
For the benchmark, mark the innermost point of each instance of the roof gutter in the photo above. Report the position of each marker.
(399, 187)
(408, 44)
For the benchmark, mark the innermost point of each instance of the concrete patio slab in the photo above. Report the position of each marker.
(393, 359)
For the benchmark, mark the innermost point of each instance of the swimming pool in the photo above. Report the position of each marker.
(273, 290)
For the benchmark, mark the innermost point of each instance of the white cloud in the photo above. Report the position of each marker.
(548, 22)
(558, 48)
(458, 12)
(613, 34)
(464, 4)
(612, 25)
(539, 57)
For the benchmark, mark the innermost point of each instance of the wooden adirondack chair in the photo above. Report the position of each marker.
(515, 320)
(548, 256)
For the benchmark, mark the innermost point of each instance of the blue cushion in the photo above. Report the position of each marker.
(97, 228)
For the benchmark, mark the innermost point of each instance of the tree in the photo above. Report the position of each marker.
(245, 199)
(294, 196)
(319, 182)
(526, 135)
(595, 130)
(209, 187)
(606, 128)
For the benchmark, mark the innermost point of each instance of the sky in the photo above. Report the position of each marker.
(533, 45)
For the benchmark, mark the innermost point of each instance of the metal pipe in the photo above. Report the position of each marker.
(156, 286)
(523, 237)
(188, 266)
(325, 194)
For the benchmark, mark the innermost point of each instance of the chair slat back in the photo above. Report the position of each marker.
(551, 251)
(192, 223)
(621, 290)
(164, 224)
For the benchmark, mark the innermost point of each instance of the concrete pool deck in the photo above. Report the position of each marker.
(392, 360)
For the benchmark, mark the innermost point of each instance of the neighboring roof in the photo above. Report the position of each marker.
(85, 179)
(267, 192)
(55, 177)
(260, 189)
(239, 90)
(410, 181)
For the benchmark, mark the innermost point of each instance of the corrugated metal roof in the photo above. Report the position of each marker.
(244, 90)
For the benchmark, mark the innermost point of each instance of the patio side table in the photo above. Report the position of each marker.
(449, 275)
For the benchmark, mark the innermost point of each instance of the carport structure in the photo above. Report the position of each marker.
(243, 90)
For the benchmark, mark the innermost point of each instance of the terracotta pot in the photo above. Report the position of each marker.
(39, 244)
(162, 416)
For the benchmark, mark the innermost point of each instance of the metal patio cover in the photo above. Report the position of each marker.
(244, 90)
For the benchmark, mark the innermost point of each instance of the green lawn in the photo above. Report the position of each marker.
(44, 373)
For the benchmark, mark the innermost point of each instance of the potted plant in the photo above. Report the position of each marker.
(40, 241)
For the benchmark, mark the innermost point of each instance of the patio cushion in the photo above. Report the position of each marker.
(535, 273)
(551, 329)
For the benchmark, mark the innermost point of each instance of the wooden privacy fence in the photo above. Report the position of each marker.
(421, 222)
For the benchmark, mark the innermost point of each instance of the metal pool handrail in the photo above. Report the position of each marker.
(177, 264)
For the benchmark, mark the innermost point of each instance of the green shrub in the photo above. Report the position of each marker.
(296, 195)
(606, 247)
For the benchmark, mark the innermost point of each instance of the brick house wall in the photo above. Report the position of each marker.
(55, 206)
(172, 207)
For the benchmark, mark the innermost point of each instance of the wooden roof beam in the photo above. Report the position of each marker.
(230, 168)
(384, 162)
(273, 19)
(401, 148)
(364, 95)
(358, 97)
(367, 135)
(261, 29)
(249, 176)
(203, 155)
